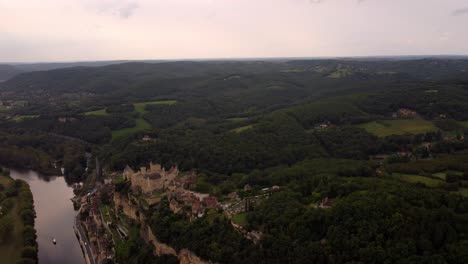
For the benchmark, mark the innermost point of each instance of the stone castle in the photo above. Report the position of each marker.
(154, 179)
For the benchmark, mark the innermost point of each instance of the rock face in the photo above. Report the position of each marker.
(159, 247)
(148, 181)
(129, 210)
(185, 256)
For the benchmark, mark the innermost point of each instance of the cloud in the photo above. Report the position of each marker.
(460, 12)
(128, 10)
(323, 1)
(119, 8)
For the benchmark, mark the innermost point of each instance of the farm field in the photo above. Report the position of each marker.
(141, 124)
(464, 124)
(242, 129)
(23, 117)
(101, 112)
(237, 119)
(398, 127)
(410, 178)
(464, 192)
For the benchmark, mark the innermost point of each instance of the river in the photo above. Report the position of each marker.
(55, 217)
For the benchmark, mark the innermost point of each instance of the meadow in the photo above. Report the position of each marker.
(141, 124)
(240, 219)
(23, 117)
(412, 178)
(101, 112)
(242, 129)
(385, 128)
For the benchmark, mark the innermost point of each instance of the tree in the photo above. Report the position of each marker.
(6, 228)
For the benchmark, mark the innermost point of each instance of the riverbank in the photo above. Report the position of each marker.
(55, 218)
(17, 217)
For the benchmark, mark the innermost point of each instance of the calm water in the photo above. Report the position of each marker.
(55, 216)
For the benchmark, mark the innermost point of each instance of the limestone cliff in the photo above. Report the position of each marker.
(121, 202)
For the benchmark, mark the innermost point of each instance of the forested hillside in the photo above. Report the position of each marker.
(367, 158)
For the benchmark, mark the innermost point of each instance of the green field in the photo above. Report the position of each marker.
(140, 107)
(240, 219)
(464, 124)
(23, 117)
(141, 124)
(443, 175)
(237, 119)
(340, 73)
(242, 128)
(398, 127)
(410, 178)
(101, 112)
(464, 192)
(440, 175)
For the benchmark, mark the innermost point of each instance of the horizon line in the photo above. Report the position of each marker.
(239, 58)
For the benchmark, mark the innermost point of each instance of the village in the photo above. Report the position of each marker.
(106, 214)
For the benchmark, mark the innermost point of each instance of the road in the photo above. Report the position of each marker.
(83, 236)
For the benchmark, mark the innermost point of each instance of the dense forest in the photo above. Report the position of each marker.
(384, 141)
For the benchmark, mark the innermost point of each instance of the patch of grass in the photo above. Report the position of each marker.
(411, 178)
(119, 179)
(237, 119)
(440, 175)
(464, 192)
(141, 125)
(101, 112)
(340, 73)
(140, 107)
(212, 214)
(24, 117)
(242, 128)
(398, 127)
(240, 219)
(464, 124)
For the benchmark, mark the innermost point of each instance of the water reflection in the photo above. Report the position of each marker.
(55, 216)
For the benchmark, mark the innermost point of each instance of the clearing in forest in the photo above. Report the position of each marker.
(141, 124)
(383, 128)
(411, 178)
(101, 112)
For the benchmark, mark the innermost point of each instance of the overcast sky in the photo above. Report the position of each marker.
(71, 30)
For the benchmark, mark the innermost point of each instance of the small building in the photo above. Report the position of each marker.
(211, 202)
(233, 196)
(325, 203)
(247, 188)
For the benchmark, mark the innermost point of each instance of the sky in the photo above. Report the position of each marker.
(83, 30)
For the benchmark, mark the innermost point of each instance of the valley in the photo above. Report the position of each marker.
(293, 161)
